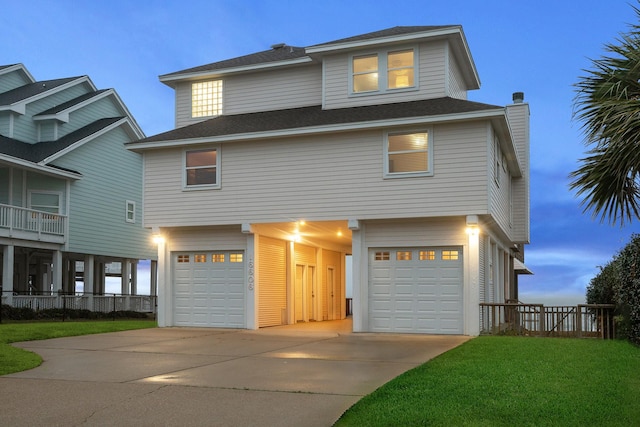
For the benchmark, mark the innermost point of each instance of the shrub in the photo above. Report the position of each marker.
(25, 313)
(619, 283)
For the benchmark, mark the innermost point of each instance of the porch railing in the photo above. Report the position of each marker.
(583, 320)
(15, 219)
(100, 303)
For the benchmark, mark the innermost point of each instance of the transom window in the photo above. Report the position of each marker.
(183, 258)
(382, 256)
(217, 258)
(403, 255)
(235, 257)
(408, 154)
(379, 72)
(201, 168)
(206, 98)
(200, 258)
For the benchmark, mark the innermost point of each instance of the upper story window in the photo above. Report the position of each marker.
(202, 168)
(130, 211)
(206, 98)
(45, 201)
(379, 72)
(408, 154)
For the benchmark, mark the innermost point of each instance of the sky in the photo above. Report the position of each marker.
(539, 47)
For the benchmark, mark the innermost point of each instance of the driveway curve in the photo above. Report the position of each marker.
(302, 375)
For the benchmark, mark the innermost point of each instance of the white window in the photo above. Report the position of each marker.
(408, 154)
(130, 211)
(206, 98)
(45, 201)
(201, 168)
(383, 71)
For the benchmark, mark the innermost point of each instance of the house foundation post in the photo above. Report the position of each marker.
(472, 290)
(57, 272)
(89, 281)
(8, 253)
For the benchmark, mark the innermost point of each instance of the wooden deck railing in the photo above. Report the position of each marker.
(583, 320)
(30, 223)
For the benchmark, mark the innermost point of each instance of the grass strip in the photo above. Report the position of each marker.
(14, 359)
(507, 381)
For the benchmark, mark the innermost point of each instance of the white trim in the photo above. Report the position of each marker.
(382, 56)
(382, 40)
(39, 168)
(18, 67)
(311, 130)
(168, 79)
(86, 139)
(31, 192)
(215, 186)
(132, 210)
(20, 107)
(396, 175)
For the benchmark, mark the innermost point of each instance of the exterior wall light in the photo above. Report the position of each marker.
(157, 239)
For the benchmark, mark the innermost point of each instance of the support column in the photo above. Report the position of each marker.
(89, 279)
(134, 277)
(472, 294)
(360, 279)
(8, 253)
(165, 317)
(125, 273)
(57, 272)
(252, 284)
(153, 273)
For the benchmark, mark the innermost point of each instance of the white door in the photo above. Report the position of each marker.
(209, 289)
(416, 290)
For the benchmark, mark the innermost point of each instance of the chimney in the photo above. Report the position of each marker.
(518, 97)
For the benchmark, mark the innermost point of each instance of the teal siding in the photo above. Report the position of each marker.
(11, 81)
(4, 123)
(43, 183)
(18, 193)
(111, 176)
(47, 130)
(99, 109)
(24, 129)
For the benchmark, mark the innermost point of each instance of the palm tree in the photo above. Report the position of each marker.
(608, 104)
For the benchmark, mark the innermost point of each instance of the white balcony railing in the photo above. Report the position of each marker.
(32, 224)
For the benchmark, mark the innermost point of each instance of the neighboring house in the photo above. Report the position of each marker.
(70, 192)
(286, 161)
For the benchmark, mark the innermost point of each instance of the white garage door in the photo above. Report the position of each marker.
(209, 289)
(416, 290)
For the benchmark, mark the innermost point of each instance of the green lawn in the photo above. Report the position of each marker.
(15, 359)
(512, 381)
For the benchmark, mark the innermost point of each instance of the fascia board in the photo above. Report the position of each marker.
(312, 130)
(356, 44)
(17, 67)
(131, 120)
(168, 79)
(38, 168)
(20, 107)
(84, 141)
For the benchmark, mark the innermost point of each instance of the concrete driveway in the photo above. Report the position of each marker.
(305, 375)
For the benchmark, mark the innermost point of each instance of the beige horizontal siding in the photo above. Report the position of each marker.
(431, 79)
(321, 178)
(295, 87)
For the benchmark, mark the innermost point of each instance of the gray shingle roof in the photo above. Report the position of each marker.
(40, 151)
(32, 89)
(394, 31)
(71, 103)
(273, 55)
(298, 118)
(291, 52)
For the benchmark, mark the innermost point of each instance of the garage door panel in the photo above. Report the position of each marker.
(416, 290)
(209, 293)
